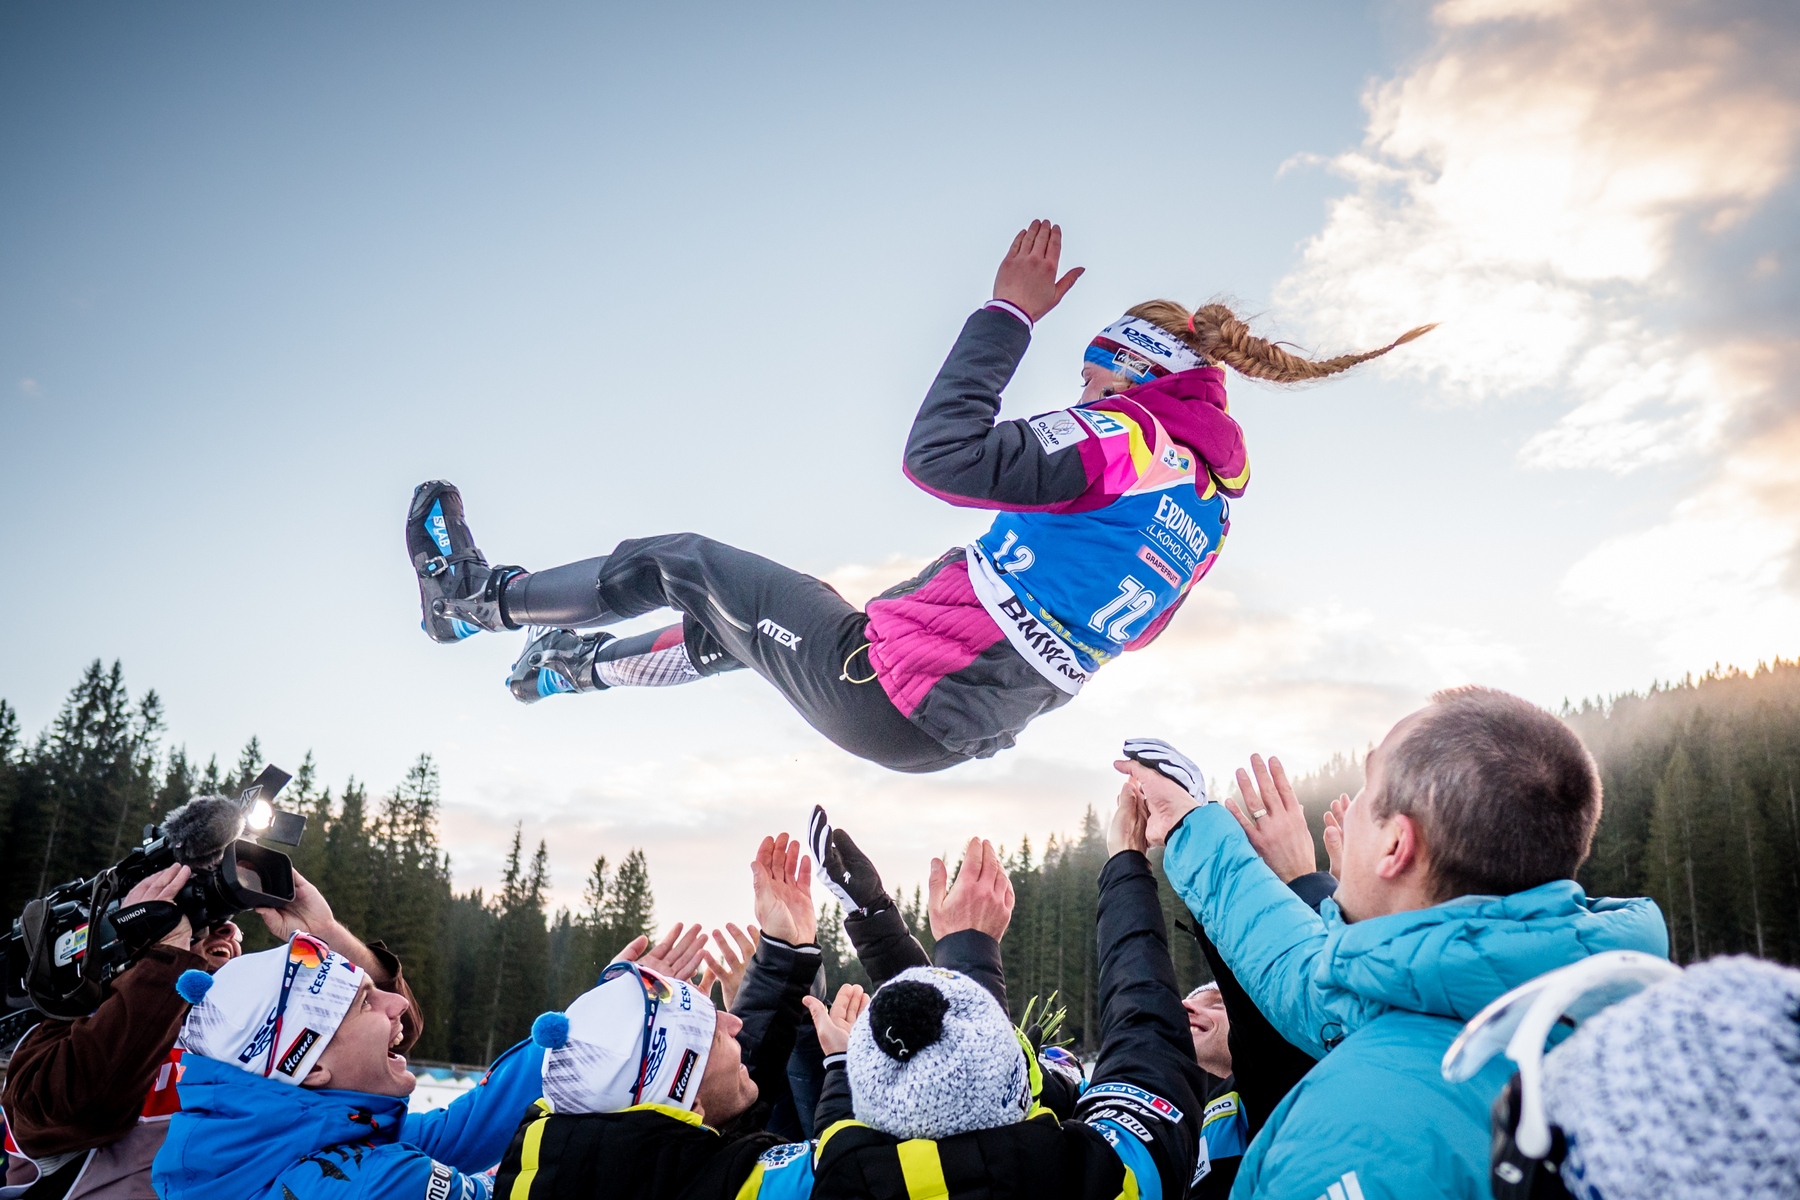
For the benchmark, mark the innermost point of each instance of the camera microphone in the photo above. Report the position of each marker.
(200, 830)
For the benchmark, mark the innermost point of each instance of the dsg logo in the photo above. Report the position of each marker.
(1139, 338)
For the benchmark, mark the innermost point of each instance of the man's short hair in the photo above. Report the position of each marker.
(1505, 795)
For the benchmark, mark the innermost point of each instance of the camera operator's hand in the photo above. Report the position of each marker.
(833, 1024)
(309, 912)
(782, 881)
(164, 886)
(980, 898)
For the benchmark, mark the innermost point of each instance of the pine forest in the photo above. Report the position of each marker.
(1702, 813)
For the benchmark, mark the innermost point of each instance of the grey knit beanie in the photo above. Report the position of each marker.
(934, 1055)
(1689, 1088)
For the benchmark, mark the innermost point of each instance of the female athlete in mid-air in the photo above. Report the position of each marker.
(1109, 512)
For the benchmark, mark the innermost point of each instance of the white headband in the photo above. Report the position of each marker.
(1148, 342)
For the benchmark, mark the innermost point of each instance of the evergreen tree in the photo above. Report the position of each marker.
(350, 862)
(630, 909)
(521, 949)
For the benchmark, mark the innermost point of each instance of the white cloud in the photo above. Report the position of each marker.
(1565, 184)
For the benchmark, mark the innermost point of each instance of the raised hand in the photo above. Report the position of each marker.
(1334, 833)
(1126, 830)
(676, 956)
(1276, 824)
(782, 880)
(1168, 801)
(843, 868)
(164, 886)
(833, 1024)
(307, 913)
(981, 898)
(1027, 275)
(727, 970)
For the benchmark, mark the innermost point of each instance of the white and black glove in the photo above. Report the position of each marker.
(846, 871)
(1165, 759)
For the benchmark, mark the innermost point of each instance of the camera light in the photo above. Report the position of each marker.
(260, 814)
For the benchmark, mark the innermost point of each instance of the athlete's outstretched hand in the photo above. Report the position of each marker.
(1027, 275)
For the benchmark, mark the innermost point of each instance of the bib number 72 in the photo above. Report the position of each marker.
(1114, 618)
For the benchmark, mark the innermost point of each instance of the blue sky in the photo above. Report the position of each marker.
(618, 271)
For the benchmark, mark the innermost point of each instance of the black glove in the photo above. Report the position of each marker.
(144, 923)
(845, 870)
(1165, 759)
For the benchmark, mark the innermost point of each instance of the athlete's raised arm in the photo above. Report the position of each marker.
(956, 451)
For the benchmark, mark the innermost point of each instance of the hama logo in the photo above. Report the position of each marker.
(263, 1039)
(684, 1074)
(438, 1186)
(1124, 360)
(296, 1053)
(1145, 341)
(782, 636)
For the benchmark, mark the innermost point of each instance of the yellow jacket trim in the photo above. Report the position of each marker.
(528, 1160)
(922, 1170)
(753, 1184)
(830, 1132)
(669, 1110)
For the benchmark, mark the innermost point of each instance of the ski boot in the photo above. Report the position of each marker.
(458, 592)
(555, 660)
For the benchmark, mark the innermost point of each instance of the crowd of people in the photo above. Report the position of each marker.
(1399, 1026)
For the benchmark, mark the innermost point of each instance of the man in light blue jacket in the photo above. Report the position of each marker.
(1456, 884)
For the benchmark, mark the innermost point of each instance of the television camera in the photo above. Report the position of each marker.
(67, 945)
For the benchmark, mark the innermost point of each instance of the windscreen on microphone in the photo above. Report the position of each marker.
(200, 830)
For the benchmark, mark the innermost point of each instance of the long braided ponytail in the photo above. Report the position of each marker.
(1215, 331)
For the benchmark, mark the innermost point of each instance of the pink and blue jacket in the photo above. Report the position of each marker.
(1108, 514)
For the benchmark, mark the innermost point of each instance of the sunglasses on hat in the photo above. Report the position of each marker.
(1526, 1159)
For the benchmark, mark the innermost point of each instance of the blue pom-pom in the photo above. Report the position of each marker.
(550, 1030)
(192, 986)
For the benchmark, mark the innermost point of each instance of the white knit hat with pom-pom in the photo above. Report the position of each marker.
(271, 1013)
(636, 1038)
(1689, 1088)
(934, 1055)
